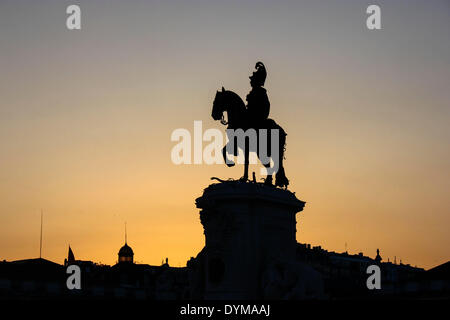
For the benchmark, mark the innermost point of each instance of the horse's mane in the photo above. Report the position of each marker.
(236, 101)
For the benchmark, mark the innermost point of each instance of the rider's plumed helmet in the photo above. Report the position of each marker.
(259, 76)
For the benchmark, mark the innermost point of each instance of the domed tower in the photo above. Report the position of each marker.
(126, 253)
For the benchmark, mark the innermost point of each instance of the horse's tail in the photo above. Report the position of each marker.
(283, 142)
(273, 125)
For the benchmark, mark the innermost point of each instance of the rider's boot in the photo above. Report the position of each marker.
(228, 162)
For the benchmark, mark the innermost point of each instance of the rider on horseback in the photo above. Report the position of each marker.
(258, 105)
(258, 108)
(253, 116)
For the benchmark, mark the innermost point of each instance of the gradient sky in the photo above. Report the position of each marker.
(86, 118)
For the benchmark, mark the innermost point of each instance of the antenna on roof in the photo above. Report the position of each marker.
(40, 242)
(125, 232)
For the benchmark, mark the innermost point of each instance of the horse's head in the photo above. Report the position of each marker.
(219, 105)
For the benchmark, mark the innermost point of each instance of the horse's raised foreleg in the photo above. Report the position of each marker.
(228, 162)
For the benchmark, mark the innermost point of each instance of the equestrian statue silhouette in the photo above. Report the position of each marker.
(253, 116)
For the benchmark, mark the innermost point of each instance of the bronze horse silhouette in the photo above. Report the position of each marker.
(230, 102)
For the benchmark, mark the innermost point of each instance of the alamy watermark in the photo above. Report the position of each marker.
(74, 280)
(374, 280)
(190, 148)
(73, 21)
(373, 21)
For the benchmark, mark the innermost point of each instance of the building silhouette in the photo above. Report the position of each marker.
(250, 253)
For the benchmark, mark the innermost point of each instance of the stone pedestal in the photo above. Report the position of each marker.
(247, 226)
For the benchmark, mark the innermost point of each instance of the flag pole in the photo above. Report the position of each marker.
(40, 242)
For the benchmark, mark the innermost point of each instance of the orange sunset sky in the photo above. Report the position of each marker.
(86, 118)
